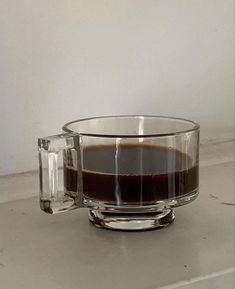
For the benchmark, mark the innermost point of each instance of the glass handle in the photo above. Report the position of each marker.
(55, 193)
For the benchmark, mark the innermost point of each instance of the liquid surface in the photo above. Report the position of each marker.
(134, 174)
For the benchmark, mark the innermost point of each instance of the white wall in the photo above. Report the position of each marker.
(63, 60)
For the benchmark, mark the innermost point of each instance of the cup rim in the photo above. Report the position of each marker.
(195, 126)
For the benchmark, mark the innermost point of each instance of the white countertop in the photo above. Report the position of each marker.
(66, 252)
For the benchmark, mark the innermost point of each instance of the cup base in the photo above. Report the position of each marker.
(132, 221)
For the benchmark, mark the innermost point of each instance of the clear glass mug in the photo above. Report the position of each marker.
(129, 171)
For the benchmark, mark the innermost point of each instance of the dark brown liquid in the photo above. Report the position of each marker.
(134, 174)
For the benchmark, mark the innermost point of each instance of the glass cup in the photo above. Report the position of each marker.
(129, 171)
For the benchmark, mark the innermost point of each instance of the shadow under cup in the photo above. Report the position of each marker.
(130, 171)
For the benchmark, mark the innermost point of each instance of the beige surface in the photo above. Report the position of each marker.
(66, 252)
(224, 279)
